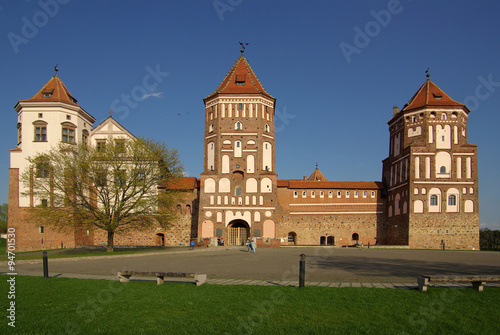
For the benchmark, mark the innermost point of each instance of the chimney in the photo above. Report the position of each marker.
(305, 177)
(395, 110)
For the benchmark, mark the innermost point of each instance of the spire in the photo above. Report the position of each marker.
(53, 91)
(429, 94)
(240, 80)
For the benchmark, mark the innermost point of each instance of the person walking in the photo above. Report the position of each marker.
(249, 245)
(254, 243)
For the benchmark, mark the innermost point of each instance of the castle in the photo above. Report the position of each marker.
(428, 196)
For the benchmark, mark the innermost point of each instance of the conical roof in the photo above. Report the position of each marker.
(240, 80)
(317, 176)
(53, 91)
(429, 94)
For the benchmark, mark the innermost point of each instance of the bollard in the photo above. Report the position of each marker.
(302, 270)
(45, 265)
(444, 247)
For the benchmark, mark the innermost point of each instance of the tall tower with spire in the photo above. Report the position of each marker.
(431, 174)
(238, 183)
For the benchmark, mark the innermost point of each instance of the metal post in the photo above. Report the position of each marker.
(302, 270)
(45, 265)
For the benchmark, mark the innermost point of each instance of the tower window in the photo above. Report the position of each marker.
(434, 200)
(47, 94)
(237, 191)
(267, 128)
(240, 79)
(68, 135)
(238, 126)
(40, 134)
(240, 106)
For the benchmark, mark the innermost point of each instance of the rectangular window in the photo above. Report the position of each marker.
(330, 194)
(100, 145)
(295, 194)
(85, 139)
(44, 202)
(339, 194)
(19, 133)
(120, 145)
(120, 178)
(68, 135)
(42, 170)
(41, 134)
(304, 194)
(41, 229)
(373, 194)
(101, 179)
(452, 200)
(434, 200)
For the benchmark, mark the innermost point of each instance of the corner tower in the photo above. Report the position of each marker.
(238, 182)
(51, 116)
(431, 174)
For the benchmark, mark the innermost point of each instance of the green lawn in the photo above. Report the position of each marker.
(82, 252)
(77, 306)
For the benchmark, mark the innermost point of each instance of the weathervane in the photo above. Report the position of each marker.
(243, 46)
(427, 74)
(56, 69)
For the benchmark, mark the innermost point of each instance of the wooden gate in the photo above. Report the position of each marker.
(238, 235)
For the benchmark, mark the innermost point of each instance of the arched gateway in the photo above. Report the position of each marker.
(238, 232)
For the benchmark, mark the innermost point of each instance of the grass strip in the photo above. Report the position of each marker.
(79, 306)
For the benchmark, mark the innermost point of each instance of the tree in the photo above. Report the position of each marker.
(3, 218)
(489, 239)
(114, 187)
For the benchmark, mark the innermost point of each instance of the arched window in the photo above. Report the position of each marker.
(434, 200)
(211, 128)
(237, 191)
(267, 128)
(292, 237)
(443, 116)
(452, 200)
(238, 126)
(442, 169)
(355, 237)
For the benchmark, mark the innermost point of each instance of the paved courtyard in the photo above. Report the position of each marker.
(324, 266)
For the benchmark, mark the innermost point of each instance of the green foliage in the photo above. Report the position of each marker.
(3, 218)
(489, 239)
(78, 306)
(114, 187)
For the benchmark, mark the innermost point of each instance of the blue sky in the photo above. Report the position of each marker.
(335, 87)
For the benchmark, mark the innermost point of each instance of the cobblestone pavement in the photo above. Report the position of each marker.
(325, 266)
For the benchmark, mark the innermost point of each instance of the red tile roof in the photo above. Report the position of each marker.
(300, 184)
(183, 183)
(240, 80)
(429, 94)
(317, 176)
(55, 91)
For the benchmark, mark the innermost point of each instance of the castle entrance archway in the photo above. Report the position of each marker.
(238, 232)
